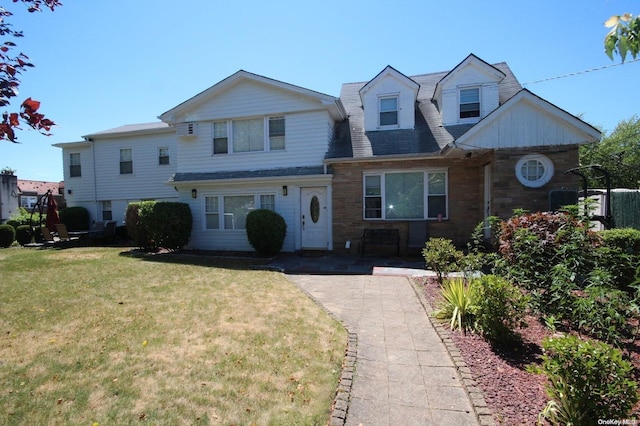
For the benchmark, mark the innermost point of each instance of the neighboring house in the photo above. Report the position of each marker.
(449, 148)
(30, 191)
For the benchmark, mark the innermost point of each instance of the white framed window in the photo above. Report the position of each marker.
(406, 195)
(469, 106)
(248, 135)
(276, 133)
(126, 161)
(211, 213)
(105, 207)
(220, 139)
(229, 211)
(28, 201)
(534, 170)
(268, 201)
(388, 111)
(163, 156)
(372, 197)
(75, 168)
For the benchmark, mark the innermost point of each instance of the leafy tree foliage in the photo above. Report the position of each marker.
(618, 153)
(624, 36)
(11, 67)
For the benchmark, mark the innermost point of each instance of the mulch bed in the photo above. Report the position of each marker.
(514, 395)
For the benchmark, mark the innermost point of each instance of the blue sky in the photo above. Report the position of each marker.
(105, 63)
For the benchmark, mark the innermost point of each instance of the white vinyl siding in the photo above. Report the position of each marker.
(307, 140)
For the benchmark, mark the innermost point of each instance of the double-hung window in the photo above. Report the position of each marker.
(126, 161)
(389, 111)
(220, 139)
(163, 156)
(276, 133)
(248, 135)
(211, 212)
(75, 169)
(230, 211)
(470, 103)
(409, 195)
(107, 213)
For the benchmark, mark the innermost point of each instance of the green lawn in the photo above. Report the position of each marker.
(94, 336)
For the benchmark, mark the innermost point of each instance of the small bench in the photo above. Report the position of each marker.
(380, 237)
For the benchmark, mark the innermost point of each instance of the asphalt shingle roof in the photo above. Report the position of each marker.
(429, 136)
(248, 174)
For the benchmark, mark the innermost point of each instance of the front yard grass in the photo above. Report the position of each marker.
(92, 336)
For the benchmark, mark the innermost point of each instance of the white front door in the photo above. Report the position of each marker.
(314, 218)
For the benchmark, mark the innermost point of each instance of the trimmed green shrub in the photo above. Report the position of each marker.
(7, 235)
(135, 230)
(499, 308)
(441, 256)
(167, 223)
(266, 231)
(24, 234)
(75, 218)
(588, 380)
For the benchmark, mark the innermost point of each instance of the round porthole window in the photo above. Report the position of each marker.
(534, 170)
(314, 209)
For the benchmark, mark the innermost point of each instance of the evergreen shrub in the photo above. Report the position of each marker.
(7, 235)
(24, 234)
(266, 231)
(136, 231)
(75, 218)
(167, 223)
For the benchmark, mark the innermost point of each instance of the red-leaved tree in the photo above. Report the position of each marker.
(10, 69)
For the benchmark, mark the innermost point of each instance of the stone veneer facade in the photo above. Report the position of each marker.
(465, 190)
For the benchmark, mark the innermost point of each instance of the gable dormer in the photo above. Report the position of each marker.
(469, 92)
(389, 101)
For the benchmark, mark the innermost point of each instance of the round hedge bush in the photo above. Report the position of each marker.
(7, 235)
(75, 218)
(266, 230)
(24, 234)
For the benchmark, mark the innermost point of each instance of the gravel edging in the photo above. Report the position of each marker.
(482, 411)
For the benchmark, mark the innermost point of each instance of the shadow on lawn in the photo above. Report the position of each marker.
(202, 258)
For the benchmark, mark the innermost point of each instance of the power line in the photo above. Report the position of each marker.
(580, 72)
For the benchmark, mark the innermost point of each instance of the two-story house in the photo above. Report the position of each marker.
(448, 148)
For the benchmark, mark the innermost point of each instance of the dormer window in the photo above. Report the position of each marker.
(470, 103)
(389, 111)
